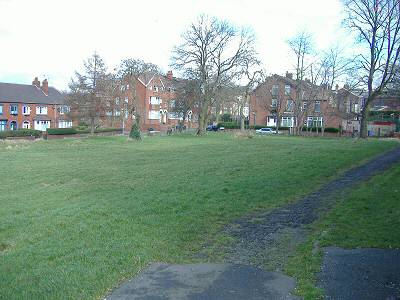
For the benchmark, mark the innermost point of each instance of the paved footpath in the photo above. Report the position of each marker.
(259, 240)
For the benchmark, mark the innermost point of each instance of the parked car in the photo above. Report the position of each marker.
(212, 128)
(265, 131)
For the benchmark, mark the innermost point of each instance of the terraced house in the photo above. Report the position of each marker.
(36, 106)
(283, 100)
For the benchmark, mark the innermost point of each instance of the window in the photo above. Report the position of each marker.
(356, 108)
(314, 122)
(64, 124)
(275, 90)
(117, 112)
(155, 100)
(287, 122)
(154, 114)
(26, 110)
(42, 125)
(14, 109)
(3, 124)
(1, 109)
(173, 115)
(317, 106)
(271, 121)
(274, 102)
(289, 105)
(304, 105)
(172, 103)
(64, 109)
(287, 90)
(155, 88)
(41, 110)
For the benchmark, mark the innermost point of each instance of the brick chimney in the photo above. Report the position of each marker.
(289, 75)
(45, 87)
(170, 75)
(36, 82)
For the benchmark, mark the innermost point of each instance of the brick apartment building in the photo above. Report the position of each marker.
(318, 107)
(155, 96)
(35, 106)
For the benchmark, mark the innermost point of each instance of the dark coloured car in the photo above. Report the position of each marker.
(212, 128)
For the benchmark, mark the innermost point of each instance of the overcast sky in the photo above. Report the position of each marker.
(48, 38)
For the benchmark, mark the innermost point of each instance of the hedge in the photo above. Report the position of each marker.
(61, 131)
(20, 133)
(234, 125)
(327, 129)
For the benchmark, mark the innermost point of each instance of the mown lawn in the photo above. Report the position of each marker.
(368, 218)
(77, 217)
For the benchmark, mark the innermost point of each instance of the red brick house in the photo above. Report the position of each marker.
(277, 97)
(155, 95)
(35, 106)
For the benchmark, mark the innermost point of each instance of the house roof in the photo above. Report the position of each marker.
(23, 93)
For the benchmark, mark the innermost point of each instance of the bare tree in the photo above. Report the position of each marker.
(302, 46)
(254, 75)
(377, 23)
(87, 91)
(187, 93)
(212, 53)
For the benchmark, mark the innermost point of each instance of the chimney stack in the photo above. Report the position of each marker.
(170, 75)
(36, 82)
(45, 87)
(289, 75)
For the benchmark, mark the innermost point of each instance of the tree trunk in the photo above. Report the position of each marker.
(277, 123)
(92, 125)
(202, 122)
(364, 121)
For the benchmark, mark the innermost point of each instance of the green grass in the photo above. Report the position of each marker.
(77, 217)
(368, 217)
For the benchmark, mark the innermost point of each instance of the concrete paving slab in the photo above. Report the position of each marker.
(205, 281)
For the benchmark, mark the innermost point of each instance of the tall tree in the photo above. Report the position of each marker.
(377, 24)
(87, 96)
(253, 76)
(302, 46)
(212, 53)
(187, 93)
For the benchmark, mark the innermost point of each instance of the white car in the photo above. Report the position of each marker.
(265, 131)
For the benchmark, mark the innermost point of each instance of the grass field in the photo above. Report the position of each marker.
(368, 218)
(77, 217)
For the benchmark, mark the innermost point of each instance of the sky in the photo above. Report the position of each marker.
(51, 38)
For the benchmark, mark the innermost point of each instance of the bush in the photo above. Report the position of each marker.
(229, 125)
(97, 130)
(327, 129)
(61, 131)
(20, 133)
(234, 125)
(135, 132)
(332, 129)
